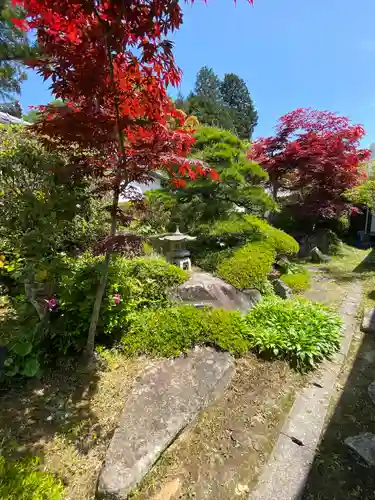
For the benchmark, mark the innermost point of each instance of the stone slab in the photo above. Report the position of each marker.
(364, 446)
(288, 468)
(368, 322)
(162, 403)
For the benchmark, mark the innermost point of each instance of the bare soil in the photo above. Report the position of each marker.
(222, 452)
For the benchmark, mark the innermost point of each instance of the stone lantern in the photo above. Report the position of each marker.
(174, 248)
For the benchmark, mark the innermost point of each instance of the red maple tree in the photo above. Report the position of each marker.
(110, 62)
(316, 155)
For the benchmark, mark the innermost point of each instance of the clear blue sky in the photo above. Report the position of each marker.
(291, 53)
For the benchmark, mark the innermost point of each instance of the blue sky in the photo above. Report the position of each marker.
(291, 53)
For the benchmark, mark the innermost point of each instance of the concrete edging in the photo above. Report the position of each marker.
(286, 472)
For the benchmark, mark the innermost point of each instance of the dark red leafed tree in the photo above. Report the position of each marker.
(110, 63)
(317, 155)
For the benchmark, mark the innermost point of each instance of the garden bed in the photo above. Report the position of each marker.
(221, 454)
(68, 419)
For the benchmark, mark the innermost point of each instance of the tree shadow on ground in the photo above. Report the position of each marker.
(58, 403)
(368, 263)
(337, 472)
(346, 275)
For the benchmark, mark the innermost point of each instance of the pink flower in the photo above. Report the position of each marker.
(51, 303)
(117, 298)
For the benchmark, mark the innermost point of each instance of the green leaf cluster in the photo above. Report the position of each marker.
(14, 48)
(298, 330)
(226, 103)
(43, 211)
(142, 283)
(239, 230)
(23, 479)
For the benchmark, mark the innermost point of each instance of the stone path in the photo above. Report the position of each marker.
(162, 403)
(288, 468)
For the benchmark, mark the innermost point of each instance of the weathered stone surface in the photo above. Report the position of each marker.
(317, 256)
(368, 322)
(281, 289)
(364, 446)
(371, 391)
(162, 403)
(203, 289)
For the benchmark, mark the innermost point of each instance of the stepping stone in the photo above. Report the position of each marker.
(162, 403)
(368, 322)
(364, 446)
(371, 391)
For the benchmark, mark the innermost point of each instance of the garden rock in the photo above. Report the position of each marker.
(162, 403)
(203, 289)
(281, 289)
(364, 446)
(317, 256)
(371, 391)
(368, 322)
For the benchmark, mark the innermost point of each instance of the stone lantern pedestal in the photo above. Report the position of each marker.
(174, 248)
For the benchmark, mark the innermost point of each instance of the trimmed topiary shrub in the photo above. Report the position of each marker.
(22, 479)
(298, 330)
(248, 267)
(172, 331)
(298, 282)
(239, 230)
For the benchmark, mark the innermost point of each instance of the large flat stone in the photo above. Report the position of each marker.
(364, 446)
(368, 322)
(162, 403)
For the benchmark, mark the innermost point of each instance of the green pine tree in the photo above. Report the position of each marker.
(236, 96)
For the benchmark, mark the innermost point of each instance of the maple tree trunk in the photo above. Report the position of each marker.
(90, 343)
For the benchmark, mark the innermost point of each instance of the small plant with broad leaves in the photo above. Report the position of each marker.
(302, 332)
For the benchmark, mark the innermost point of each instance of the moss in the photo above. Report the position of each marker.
(298, 282)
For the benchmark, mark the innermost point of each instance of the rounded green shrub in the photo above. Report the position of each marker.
(172, 331)
(298, 282)
(239, 230)
(22, 479)
(248, 267)
(298, 330)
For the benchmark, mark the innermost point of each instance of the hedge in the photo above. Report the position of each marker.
(248, 267)
(172, 331)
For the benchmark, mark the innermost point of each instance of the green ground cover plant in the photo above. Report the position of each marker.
(23, 480)
(298, 330)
